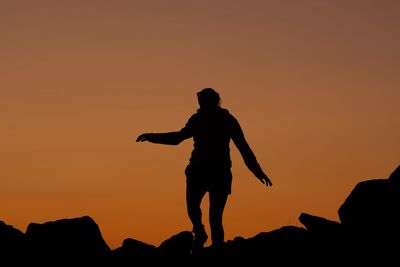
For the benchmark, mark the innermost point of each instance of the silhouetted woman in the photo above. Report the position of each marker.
(209, 169)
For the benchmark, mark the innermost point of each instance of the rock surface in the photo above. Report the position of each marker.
(67, 242)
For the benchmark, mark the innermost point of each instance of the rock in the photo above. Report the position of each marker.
(67, 242)
(12, 245)
(371, 217)
(136, 246)
(320, 226)
(286, 246)
(134, 253)
(179, 245)
(176, 251)
(9, 236)
(374, 206)
(330, 243)
(395, 176)
(367, 235)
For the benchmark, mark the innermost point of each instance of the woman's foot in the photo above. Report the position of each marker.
(200, 238)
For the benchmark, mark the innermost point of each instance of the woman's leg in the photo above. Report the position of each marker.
(217, 205)
(194, 196)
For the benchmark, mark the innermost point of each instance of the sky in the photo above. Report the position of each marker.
(314, 85)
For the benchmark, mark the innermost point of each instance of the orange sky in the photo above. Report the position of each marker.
(314, 84)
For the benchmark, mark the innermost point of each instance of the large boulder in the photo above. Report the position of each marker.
(9, 236)
(371, 217)
(374, 206)
(12, 245)
(67, 242)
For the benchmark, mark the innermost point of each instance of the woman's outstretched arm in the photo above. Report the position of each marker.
(172, 138)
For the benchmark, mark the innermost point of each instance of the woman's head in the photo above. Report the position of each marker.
(208, 98)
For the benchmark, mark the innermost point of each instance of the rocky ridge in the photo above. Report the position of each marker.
(368, 234)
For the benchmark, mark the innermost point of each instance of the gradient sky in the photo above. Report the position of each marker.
(314, 84)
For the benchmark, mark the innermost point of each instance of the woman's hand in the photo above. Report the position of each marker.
(264, 179)
(144, 137)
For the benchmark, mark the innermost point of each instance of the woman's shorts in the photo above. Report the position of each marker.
(211, 179)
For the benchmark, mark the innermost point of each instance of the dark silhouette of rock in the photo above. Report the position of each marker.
(320, 226)
(329, 240)
(67, 242)
(9, 236)
(367, 235)
(138, 247)
(373, 205)
(287, 246)
(177, 249)
(134, 253)
(12, 245)
(371, 216)
(279, 244)
(179, 244)
(174, 251)
(395, 176)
